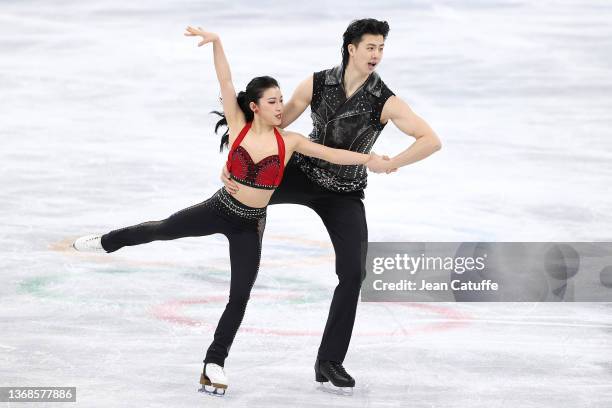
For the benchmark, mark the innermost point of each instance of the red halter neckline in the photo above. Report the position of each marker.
(281, 152)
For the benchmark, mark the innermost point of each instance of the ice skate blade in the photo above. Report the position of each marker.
(217, 390)
(204, 380)
(332, 389)
(212, 391)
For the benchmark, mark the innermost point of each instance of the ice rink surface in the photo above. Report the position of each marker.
(104, 123)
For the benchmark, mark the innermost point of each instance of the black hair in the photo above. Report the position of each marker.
(254, 90)
(357, 29)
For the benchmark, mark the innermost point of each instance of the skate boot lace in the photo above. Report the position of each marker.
(338, 367)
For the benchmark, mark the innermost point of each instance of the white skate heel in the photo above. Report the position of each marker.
(89, 243)
(214, 378)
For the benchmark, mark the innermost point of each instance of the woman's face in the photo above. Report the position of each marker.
(270, 106)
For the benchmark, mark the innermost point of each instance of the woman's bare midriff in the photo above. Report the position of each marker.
(253, 197)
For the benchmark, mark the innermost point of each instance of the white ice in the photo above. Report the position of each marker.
(104, 123)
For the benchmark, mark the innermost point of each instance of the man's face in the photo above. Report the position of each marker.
(368, 53)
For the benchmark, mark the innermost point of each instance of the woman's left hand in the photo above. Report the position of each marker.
(206, 35)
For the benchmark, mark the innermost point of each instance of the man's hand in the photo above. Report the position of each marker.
(380, 164)
(230, 185)
(389, 170)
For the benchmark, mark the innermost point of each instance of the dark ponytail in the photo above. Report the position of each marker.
(253, 93)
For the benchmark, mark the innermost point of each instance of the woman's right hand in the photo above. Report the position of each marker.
(230, 185)
(199, 32)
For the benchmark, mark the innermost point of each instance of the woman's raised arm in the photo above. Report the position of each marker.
(228, 93)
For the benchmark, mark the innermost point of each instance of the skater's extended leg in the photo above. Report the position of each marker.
(197, 220)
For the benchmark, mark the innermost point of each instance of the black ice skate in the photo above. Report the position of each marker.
(335, 373)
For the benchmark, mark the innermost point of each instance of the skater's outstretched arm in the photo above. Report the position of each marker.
(297, 142)
(233, 114)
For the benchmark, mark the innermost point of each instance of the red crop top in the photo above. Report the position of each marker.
(266, 173)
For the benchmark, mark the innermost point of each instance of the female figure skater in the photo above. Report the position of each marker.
(256, 159)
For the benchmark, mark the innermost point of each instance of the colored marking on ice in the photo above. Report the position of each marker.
(171, 311)
(37, 285)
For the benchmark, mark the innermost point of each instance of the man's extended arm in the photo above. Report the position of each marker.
(427, 142)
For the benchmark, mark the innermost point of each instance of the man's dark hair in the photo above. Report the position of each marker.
(357, 29)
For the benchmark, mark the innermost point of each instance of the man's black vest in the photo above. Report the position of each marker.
(351, 124)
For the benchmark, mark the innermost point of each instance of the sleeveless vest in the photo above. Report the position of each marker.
(350, 124)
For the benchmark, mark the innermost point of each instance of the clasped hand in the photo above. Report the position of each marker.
(380, 164)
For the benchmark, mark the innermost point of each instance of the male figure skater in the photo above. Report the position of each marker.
(350, 105)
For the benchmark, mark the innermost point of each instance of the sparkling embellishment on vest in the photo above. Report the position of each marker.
(351, 124)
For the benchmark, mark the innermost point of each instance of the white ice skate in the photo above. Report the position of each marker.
(214, 378)
(89, 243)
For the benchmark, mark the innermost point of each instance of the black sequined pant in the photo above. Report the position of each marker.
(242, 225)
